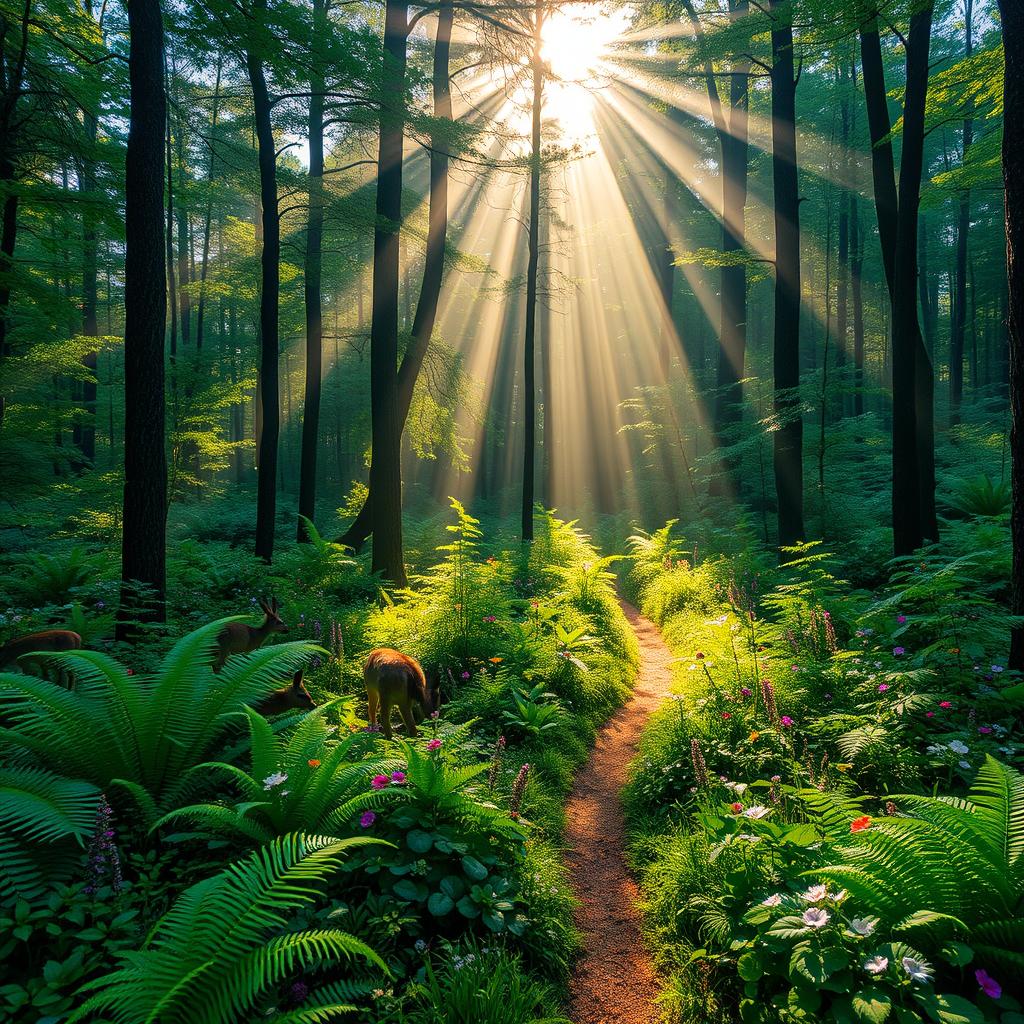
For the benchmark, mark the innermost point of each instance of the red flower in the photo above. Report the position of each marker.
(736, 808)
(861, 824)
(699, 655)
(725, 714)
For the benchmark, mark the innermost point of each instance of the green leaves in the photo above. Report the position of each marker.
(871, 1006)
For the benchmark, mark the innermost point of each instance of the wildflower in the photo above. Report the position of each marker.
(929, 714)
(997, 668)
(815, 893)
(313, 762)
(772, 901)
(984, 730)
(774, 794)
(768, 693)
(815, 917)
(757, 812)
(699, 655)
(901, 619)
(843, 767)
(102, 853)
(746, 691)
(862, 926)
(919, 970)
(398, 778)
(515, 799)
(274, 780)
(988, 984)
(490, 618)
(419, 945)
(786, 721)
(898, 652)
(890, 808)
(876, 964)
(882, 687)
(966, 765)
(492, 774)
(861, 824)
(945, 704)
(434, 744)
(367, 819)
(465, 675)
(958, 747)
(495, 661)
(379, 781)
(736, 808)
(726, 716)
(700, 768)
(754, 736)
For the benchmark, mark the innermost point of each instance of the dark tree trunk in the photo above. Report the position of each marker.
(1013, 176)
(789, 473)
(433, 268)
(857, 300)
(143, 543)
(266, 481)
(963, 225)
(911, 369)
(312, 276)
(85, 432)
(208, 221)
(386, 429)
(532, 264)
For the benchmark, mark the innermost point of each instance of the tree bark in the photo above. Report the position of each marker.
(532, 264)
(857, 300)
(1013, 177)
(143, 543)
(266, 480)
(312, 282)
(386, 430)
(208, 221)
(788, 435)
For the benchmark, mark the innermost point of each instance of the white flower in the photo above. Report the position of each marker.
(839, 896)
(756, 812)
(862, 925)
(274, 780)
(815, 917)
(747, 837)
(935, 748)
(919, 970)
(739, 788)
(815, 893)
(876, 965)
(772, 901)
(959, 748)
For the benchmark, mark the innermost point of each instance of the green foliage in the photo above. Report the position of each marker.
(227, 945)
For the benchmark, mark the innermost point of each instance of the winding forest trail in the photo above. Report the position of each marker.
(614, 981)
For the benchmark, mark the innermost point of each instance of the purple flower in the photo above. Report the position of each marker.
(882, 687)
(367, 819)
(988, 984)
(984, 729)
(786, 721)
(465, 675)
(899, 651)
(398, 778)
(746, 691)
(901, 619)
(379, 781)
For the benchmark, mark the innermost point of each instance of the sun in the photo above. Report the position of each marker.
(577, 38)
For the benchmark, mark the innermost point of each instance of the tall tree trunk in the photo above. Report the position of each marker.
(312, 276)
(843, 261)
(1013, 176)
(789, 473)
(532, 264)
(963, 225)
(172, 290)
(857, 299)
(386, 430)
(266, 481)
(143, 541)
(433, 268)
(208, 220)
(911, 378)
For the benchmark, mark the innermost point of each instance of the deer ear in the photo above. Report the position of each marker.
(297, 680)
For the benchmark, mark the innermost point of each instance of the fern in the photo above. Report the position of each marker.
(226, 945)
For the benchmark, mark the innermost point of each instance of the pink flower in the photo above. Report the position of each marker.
(367, 819)
(465, 675)
(929, 714)
(746, 691)
(736, 808)
(434, 744)
(379, 781)
(988, 984)
(899, 651)
(984, 730)
(786, 721)
(901, 619)
(945, 703)
(882, 687)
(398, 778)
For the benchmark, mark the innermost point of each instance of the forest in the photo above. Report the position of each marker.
(512, 511)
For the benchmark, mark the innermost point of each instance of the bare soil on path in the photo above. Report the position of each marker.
(614, 981)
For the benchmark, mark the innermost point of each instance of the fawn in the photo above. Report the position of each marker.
(393, 678)
(238, 638)
(294, 696)
(33, 643)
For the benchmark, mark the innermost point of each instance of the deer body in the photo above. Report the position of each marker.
(394, 679)
(292, 697)
(48, 640)
(239, 638)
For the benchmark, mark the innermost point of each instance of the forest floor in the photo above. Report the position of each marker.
(614, 981)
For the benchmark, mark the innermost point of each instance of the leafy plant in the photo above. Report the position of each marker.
(221, 953)
(980, 496)
(533, 712)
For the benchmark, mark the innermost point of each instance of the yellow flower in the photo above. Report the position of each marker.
(754, 736)
(843, 767)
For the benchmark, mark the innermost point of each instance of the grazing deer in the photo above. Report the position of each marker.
(35, 643)
(294, 696)
(393, 678)
(238, 638)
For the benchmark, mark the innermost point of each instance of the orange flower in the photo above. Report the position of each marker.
(494, 661)
(313, 762)
(861, 824)
(754, 736)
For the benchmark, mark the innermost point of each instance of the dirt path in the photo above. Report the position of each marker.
(614, 981)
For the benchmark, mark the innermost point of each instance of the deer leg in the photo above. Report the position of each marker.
(408, 718)
(372, 703)
(385, 716)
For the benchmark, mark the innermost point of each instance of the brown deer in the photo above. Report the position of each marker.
(35, 643)
(393, 678)
(294, 696)
(239, 638)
